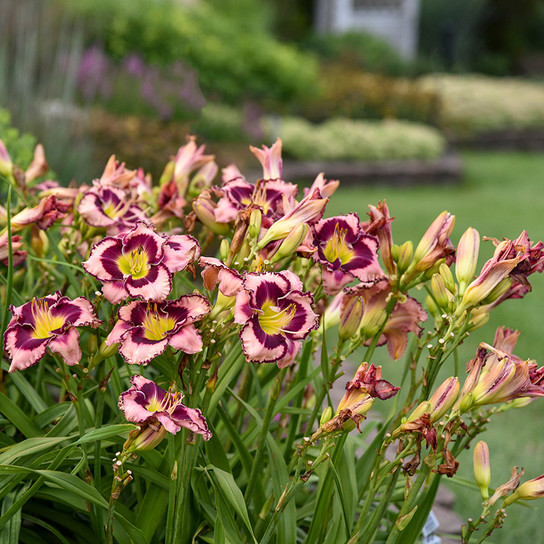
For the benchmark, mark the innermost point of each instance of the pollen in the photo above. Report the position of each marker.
(337, 248)
(157, 326)
(44, 321)
(134, 263)
(273, 320)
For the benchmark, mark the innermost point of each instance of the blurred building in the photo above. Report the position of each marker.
(396, 21)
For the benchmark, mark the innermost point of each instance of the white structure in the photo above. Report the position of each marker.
(396, 21)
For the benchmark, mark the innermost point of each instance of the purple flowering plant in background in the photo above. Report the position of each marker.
(245, 300)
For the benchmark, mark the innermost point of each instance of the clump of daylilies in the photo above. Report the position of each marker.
(227, 294)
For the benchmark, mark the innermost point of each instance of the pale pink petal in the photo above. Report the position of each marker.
(259, 347)
(187, 340)
(136, 351)
(180, 251)
(115, 292)
(157, 289)
(242, 309)
(104, 252)
(67, 346)
(117, 332)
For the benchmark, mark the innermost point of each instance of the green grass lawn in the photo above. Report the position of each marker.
(500, 195)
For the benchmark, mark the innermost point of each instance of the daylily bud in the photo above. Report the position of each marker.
(431, 306)
(395, 252)
(202, 179)
(373, 318)
(482, 469)
(406, 252)
(528, 491)
(422, 408)
(439, 291)
(6, 165)
(498, 291)
(350, 319)
(105, 351)
(39, 241)
(291, 242)
(224, 250)
(479, 320)
(326, 415)
(516, 403)
(146, 438)
(467, 258)
(167, 173)
(443, 398)
(436, 234)
(447, 276)
(204, 211)
(255, 223)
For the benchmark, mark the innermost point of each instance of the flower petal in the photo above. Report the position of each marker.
(67, 346)
(138, 350)
(260, 347)
(24, 350)
(179, 252)
(102, 261)
(187, 340)
(155, 286)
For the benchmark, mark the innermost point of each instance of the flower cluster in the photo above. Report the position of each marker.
(228, 293)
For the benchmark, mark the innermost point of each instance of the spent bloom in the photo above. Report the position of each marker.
(276, 316)
(47, 322)
(140, 263)
(146, 401)
(145, 329)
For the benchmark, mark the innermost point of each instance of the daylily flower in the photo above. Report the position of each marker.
(47, 322)
(380, 226)
(43, 215)
(140, 263)
(146, 401)
(188, 158)
(6, 166)
(238, 194)
(345, 253)
(270, 158)
(111, 208)
(405, 317)
(116, 174)
(16, 243)
(216, 272)
(38, 167)
(309, 210)
(276, 316)
(497, 376)
(367, 385)
(145, 329)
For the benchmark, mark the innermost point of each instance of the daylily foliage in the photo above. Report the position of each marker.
(244, 299)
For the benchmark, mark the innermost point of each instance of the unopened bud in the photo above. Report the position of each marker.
(6, 166)
(168, 173)
(447, 276)
(291, 242)
(467, 258)
(39, 241)
(439, 291)
(498, 291)
(204, 210)
(350, 319)
(254, 228)
(479, 320)
(432, 307)
(146, 438)
(224, 250)
(482, 469)
(528, 491)
(443, 398)
(406, 252)
(326, 415)
(395, 252)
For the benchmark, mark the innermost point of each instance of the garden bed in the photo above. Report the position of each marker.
(505, 140)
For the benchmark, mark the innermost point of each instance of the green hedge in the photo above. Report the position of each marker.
(344, 139)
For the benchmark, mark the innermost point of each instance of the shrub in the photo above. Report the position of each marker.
(20, 146)
(344, 139)
(352, 93)
(475, 104)
(232, 58)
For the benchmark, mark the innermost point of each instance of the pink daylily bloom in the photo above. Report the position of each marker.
(326, 187)
(276, 316)
(238, 194)
(146, 401)
(380, 226)
(270, 159)
(145, 329)
(47, 322)
(38, 167)
(216, 272)
(189, 158)
(345, 253)
(140, 263)
(109, 207)
(116, 174)
(16, 243)
(43, 215)
(6, 166)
